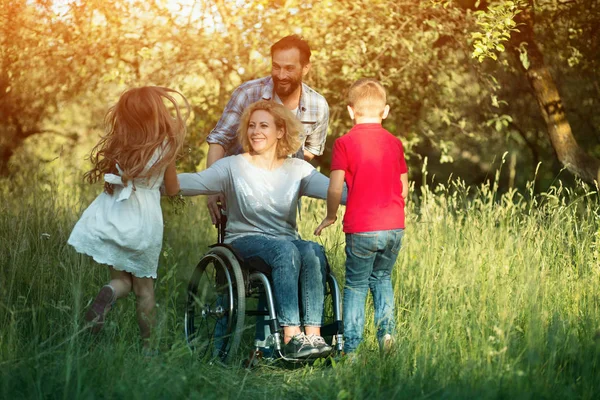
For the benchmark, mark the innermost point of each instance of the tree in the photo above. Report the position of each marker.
(36, 72)
(521, 25)
(446, 105)
(56, 55)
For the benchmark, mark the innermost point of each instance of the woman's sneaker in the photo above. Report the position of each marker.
(301, 347)
(99, 308)
(320, 343)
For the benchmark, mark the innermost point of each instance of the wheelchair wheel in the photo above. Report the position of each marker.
(215, 308)
(333, 328)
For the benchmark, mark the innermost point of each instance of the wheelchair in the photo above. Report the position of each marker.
(223, 292)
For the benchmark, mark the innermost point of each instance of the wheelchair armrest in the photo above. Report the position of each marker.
(250, 264)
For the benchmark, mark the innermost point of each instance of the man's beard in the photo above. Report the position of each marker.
(286, 90)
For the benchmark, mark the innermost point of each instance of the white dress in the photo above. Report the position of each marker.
(125, 229)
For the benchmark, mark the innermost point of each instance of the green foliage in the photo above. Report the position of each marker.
(496, 296)
(499, 122)
(496, 24)
(441, 98)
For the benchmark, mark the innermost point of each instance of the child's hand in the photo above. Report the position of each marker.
(326, 222)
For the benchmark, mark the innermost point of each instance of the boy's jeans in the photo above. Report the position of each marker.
(370, 257)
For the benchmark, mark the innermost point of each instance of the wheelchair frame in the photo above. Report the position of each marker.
(232, 281)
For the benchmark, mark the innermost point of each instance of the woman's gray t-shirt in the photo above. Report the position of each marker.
(259, 201)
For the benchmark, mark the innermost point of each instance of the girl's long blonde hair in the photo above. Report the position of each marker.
(143, 120)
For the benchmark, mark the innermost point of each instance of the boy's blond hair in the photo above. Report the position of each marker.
(367, 98)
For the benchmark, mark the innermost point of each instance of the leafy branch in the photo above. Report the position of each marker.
(497, 23)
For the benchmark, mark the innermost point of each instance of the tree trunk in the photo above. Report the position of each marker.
(10, 140)
(573, 157)
(5, 155)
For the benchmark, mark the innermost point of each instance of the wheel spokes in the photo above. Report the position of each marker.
(210, 309)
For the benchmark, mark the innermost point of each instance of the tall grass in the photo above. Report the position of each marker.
(497, 294)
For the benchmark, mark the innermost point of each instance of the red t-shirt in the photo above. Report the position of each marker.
(373, 160)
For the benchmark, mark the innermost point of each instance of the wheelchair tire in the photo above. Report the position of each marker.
(215, 308)
(333, 327)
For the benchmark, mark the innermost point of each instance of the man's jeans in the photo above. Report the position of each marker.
(298, 271)
(370, 258)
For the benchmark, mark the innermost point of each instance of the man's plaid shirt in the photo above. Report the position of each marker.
(312, 111)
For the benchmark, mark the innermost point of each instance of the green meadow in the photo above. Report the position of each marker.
(497, 295)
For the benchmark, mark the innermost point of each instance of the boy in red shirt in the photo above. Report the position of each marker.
(371, 161)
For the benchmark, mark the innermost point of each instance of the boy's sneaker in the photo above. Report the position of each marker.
(386, 344)
(300, 347)
(99, 308)
(320, 343)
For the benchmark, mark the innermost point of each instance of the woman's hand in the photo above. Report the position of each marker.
(326, 222)
(215, 203)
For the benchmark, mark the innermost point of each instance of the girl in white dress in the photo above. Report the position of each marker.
(123, 227)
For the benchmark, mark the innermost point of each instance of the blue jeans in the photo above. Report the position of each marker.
(370, 258)
(298, 274)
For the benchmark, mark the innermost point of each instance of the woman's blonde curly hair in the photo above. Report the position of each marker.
(284, 119)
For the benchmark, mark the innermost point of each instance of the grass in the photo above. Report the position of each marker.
(497, 297)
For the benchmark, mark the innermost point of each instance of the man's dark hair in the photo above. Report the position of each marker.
(294, 42)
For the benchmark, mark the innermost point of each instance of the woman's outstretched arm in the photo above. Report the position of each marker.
(315, 185)
(212, 180)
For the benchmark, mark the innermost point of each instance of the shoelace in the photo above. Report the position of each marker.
(302, 340)
(316, 340)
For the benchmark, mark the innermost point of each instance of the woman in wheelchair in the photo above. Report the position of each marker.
(262, 188)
